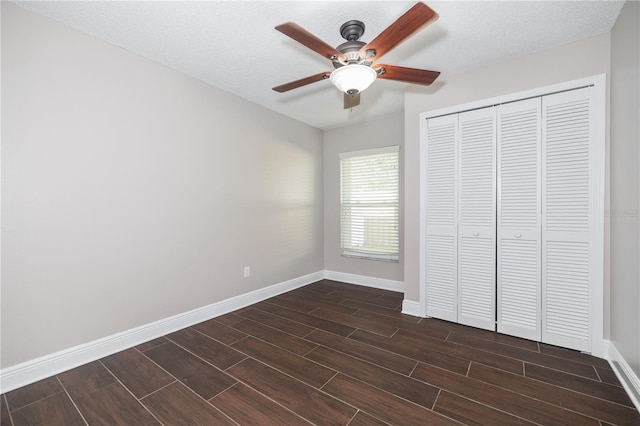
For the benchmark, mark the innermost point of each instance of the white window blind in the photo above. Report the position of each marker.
(369, 203)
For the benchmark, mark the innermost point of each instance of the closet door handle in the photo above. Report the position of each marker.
(517, 235)
(475, 234)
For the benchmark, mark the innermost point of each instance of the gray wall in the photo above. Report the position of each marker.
(373, 134)
(625, 184)
(132, 192)
(569, 62)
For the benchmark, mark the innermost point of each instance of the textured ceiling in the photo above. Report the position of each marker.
(233, 45)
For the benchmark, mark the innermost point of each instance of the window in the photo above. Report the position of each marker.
(369, 203)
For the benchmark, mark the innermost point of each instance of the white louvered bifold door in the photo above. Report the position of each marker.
(519, 209)
(476, 218)
(441, 229)
(567, 190)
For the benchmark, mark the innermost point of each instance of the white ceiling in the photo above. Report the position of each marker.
(233, 44)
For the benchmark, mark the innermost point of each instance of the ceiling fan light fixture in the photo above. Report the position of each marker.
(352, 79)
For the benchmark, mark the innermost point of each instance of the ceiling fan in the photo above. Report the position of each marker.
(353, 60)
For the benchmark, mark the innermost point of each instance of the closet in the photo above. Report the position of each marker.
(513, 217)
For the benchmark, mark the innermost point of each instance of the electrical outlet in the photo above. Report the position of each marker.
(247, 271)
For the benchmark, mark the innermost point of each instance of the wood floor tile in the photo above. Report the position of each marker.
(318, 303)
(329, 298)
(449, 349)
(320, 287)
(294, 365)
(414, 351)
(472, 413)
(572, 355)
(312, 303)
(5, 417)
(397, 384)
(379, 310)
(399, 322)
(381, 404)
(86, 379)
(212, 351)
(177, 405)
(34, 392)
(363, 419)
(374, 300)
(319, 323)
(279, 323)
(201, 377)
(359, 290)
(292, 305)
(229, 319)
(56, 409)
(494, 396)
(276, 337)
(481, 334)
(220, 332)
(151, 344)
(373, 325)
(460, 351)
(248, 407)
(578, 384)
(137, 372)
(306, 401)
(363, 351)
(608, 376)
(559, 397)
(424, 329)
(113, 405)
(266, 307)
(394, 297)
(525, 355)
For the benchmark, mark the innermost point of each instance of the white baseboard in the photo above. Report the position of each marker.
(626, 375)
(411, 307)
(37, 369)
(363, 280)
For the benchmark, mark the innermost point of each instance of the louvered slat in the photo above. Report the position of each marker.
(567, 227)
(441, 239)
(518, 263)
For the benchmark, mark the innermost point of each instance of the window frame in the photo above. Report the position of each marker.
(348, 250)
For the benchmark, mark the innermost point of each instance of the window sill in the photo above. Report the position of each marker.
(364, 256)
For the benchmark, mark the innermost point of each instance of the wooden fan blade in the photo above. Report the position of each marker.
(304, 37)
(408, 75)
(351, 101)
(413, 19)
(302, 82)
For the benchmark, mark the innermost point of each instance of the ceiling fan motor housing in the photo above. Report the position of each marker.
(352, 30)
(350, 50)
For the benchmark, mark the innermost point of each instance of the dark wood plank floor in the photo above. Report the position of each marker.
(329, 354)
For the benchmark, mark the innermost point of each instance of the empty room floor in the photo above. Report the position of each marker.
(329, 353)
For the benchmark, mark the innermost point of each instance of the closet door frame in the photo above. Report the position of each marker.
(598, 83)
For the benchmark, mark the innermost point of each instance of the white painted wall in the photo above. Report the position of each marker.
(625, 185)
(569, 62)
(383, 132)
(132, 192)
